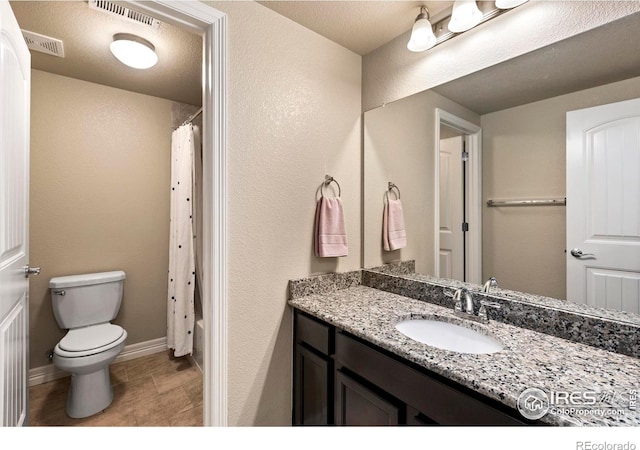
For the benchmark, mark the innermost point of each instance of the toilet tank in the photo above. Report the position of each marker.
(87, 299)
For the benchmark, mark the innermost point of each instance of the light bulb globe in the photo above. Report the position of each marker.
(465, 15)
(422, 37)
(508, 4)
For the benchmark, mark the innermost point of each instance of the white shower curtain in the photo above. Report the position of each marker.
(197, 208)
(180, 307)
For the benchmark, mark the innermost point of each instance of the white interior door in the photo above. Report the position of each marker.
(15, 79)
(603, 206)
(451, 209)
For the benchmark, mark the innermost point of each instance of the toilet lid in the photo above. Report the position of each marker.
(88, 338)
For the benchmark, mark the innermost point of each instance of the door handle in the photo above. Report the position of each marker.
(31, 271)
(577, 253)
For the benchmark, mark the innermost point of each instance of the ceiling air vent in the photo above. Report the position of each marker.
(130, 15)
(44, 44)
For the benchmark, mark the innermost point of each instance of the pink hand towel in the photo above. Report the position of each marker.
(394, 235)
(330, 235)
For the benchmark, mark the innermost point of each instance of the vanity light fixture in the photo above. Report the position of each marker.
(508, 4)
(422, 37)
(429, 31)
(133, 51)
(465, 15)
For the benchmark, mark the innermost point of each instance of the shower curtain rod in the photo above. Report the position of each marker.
(192, 116)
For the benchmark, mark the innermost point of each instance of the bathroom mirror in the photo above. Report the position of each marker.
(512, 118)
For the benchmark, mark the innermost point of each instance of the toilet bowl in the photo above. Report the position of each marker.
(84, 304)
(90, 390)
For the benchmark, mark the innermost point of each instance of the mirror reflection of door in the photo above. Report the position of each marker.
(452, 205)
(603, 212)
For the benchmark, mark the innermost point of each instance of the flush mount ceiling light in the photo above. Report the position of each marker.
(465, 15)
(133, 51)
(422, 37)
(508, 4)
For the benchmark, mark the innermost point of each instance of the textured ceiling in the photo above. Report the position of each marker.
(360, 26)
(603, 55)
(87, 33)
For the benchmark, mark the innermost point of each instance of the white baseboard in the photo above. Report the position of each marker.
(50, 372)
(194, 362)
(141, 349)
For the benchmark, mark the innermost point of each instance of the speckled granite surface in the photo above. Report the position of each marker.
(538, 300)
(530, 359)
(397, 268)
(328, 282)
(605, 329)
(325, 283)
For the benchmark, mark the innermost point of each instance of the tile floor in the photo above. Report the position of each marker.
(155, 390)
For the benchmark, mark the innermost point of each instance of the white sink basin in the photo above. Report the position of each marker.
(448, 336)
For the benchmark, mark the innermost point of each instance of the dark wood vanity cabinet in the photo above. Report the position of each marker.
(312, 388)
(340, 379)
(357, 404)
(313, 372)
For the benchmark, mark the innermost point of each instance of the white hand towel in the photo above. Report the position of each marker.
(330, 235)
(394, 235)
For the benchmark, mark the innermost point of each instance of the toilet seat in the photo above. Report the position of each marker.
(90, 340)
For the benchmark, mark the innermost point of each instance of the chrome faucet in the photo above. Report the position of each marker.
(463, 301)
(491, 283)
(467, 306)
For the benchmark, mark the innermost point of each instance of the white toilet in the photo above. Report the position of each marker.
(84, 304)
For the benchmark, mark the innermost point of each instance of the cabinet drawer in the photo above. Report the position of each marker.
(436, 400)
(314, 333)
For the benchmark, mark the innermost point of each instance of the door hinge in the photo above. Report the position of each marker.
(465, 226)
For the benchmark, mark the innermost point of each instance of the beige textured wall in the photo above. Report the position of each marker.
(391, 72)
(99, 199)
(294, 116)
(399, 142)
(524, 157)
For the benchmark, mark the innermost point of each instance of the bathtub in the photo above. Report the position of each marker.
(198, 332)
(198, 343)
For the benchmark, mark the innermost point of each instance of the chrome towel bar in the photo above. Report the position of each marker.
(535, 202)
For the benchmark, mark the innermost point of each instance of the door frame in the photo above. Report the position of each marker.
(473, 138)
(211, 24)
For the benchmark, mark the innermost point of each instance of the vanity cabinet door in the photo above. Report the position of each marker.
(356, 404)
(416, 418)
(312, 388)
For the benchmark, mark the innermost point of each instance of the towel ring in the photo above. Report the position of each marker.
(391, 188)
(328, 179)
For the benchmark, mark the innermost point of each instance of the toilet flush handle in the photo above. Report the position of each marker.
(59, 292)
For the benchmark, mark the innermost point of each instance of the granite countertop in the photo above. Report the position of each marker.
(529, 360)
(539, 300)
